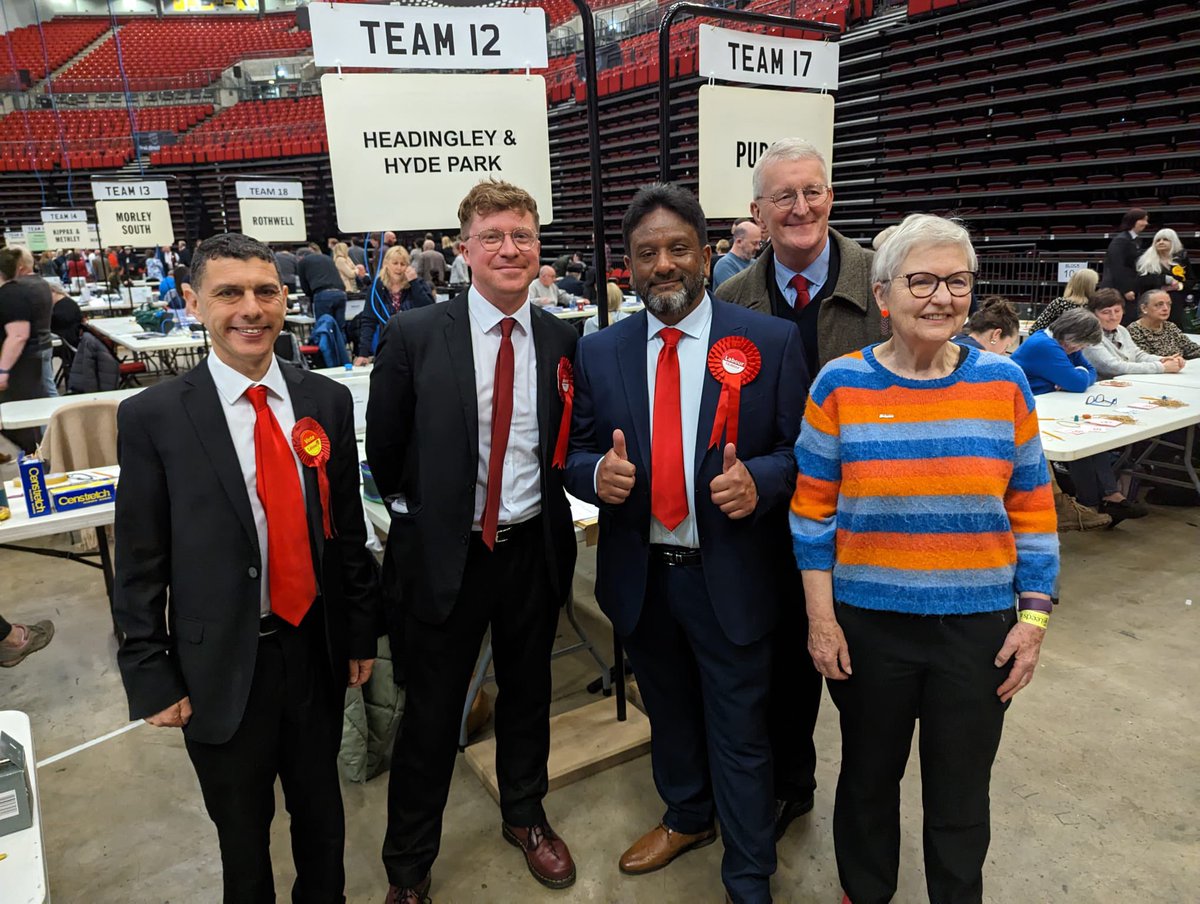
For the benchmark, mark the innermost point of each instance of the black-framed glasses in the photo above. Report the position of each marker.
(814, 196)
(923, 285)
(493, 239)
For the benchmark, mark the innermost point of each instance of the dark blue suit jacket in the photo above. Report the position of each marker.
(745, 561)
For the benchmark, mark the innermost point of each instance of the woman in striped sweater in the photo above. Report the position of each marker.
(922, 508)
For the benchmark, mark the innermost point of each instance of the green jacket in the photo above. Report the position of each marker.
(849, 318)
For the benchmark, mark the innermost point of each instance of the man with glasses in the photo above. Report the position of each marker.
(820, 280)
(463, 420)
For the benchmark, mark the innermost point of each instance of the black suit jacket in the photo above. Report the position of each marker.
(187, 592)
(1120, 264)
(423, 443)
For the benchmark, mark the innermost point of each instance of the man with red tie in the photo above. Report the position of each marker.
(466, 440)
(820, 280)
(244, 591)
(685, 416)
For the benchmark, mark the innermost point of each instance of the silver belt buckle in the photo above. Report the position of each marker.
(502, 534)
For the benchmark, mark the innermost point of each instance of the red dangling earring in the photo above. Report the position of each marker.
(884, 312)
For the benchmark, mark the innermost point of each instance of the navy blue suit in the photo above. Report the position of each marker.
(698, 635)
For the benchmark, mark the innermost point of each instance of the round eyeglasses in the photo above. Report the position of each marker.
(923, 285)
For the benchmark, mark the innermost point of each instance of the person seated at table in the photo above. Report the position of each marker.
(546, 293)
(1079, 289)
(572, 283)
(396, 289)
(992, 328)
(66, 320)
(1117, 353)
(615, 299)
(1053, 360)
(1155, 333)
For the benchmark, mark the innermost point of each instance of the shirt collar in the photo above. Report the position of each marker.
(486, 315)
(816, 273)
(692, 326)
(232, 385)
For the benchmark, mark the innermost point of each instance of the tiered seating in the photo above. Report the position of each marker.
(92, 138)
(180, 52)
(254, 130)
(22, 48)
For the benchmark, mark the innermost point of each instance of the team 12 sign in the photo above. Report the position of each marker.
(398, 37)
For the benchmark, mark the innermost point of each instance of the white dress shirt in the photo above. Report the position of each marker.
(693, 370)
(520, 488)
(240, 416)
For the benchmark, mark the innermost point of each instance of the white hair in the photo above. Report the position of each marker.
(1150, 262)
(919, 230)
(787, 149)
(883, 236)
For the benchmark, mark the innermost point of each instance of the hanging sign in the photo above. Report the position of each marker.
(402, 158)
(65, 228)
(738, 124)
(35, 237)
(1067, 270)
(740, 56)
(404, 37)
(272, 211)
(14, 237)
(121, 190)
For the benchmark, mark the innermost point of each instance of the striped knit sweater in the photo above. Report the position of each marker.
(924, 496)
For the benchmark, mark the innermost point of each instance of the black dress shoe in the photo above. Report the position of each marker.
(787, 810)
(1119, 511)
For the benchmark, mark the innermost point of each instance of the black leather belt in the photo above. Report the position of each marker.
(269, 624)
(506, 532)
(675, 555)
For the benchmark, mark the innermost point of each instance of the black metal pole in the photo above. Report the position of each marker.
(600, 257)
(664, 59)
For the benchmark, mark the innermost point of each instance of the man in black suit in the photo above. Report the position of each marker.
(463, 424)
(244, 590)
(1120, 261)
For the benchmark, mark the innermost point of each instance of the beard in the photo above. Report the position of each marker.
(660, 304)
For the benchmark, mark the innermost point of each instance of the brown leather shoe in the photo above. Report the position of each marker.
(660, 846)
(546, 854)
(415, 894)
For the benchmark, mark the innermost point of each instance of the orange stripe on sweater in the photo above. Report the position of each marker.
(932, 555)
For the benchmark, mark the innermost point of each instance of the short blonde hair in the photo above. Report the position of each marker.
(615, 296)
(493, 196)
(1081, 285)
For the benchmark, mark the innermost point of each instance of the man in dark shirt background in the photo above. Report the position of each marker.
(322, 283)
(20, 361)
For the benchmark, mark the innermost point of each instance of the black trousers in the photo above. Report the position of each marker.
(25, 382)
(292, 729)
(1093, 477)
(707, 702)
(942, 671)
(795, 702)
(508, 588)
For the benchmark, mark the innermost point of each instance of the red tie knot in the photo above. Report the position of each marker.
(670, 336)
(258, 397)
(506, 326)
(799, 283)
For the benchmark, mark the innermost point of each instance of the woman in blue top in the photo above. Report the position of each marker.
(1053, 359)
(396, 289)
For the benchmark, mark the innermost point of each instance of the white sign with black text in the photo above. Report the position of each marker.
(402, 157)
(139, 223)
(273, 221)
(120, 190)
(741, 56)
(737, 125)
(53, 215)
(1067, 270)
(407, 37)
(261, 190)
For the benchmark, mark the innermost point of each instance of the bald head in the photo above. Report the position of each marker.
(427, 245)
(546, 276)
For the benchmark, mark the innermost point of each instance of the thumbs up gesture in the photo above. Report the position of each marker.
(616, 474)
(733, 490)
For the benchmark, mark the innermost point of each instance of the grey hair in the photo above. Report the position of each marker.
(1150, 262)
(1078, 326)
(883, 236)
(787, 149)
(1145, 298)
(919, 230)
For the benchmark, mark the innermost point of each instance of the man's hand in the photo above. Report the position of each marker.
(828, 648)
(3, 382)
(616, 474)
(1025, 641)
(733, 490)
(360, 671)
(175, 716)
(1129, 296)
(361, 361)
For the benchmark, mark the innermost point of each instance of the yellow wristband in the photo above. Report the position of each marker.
(1031, 617)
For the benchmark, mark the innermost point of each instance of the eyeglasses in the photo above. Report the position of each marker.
(1100, 400)
(923, 285)
(814, 196)
(493, 239)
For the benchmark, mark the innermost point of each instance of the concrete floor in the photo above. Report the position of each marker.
(1095, 791)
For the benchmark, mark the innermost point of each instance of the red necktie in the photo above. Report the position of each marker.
(290, 580)
(668, 488)
(800, 284)
(502, 409)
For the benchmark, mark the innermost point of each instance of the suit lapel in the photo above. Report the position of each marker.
(305, 405)
(203, 407)
(462, 366)
(711, 392)
(547, 384)
(631, 358)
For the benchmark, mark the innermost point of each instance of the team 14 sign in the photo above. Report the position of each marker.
(739, 56)
(399, 37)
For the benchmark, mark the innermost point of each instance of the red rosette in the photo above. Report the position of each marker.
(566, 392)
(733, 361)
(312, 446)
